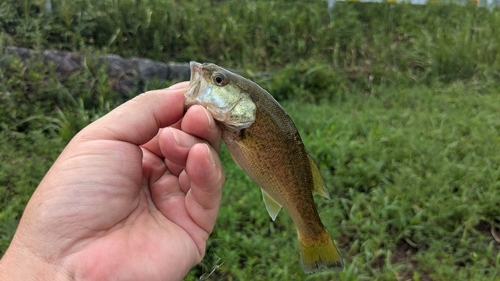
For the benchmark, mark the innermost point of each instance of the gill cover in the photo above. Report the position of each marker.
(213, 88)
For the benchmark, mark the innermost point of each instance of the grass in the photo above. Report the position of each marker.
(397, 104)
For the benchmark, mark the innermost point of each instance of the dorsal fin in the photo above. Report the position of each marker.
(319, 183)
(273, 208)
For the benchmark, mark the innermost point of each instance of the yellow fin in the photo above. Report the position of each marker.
(319, 183)
(273, 208)
(319, 254)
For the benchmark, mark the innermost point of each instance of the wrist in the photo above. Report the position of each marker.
(19, 263)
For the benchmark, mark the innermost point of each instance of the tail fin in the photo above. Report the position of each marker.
(319, 253)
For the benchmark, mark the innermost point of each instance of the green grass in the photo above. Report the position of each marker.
(25, 158)
(398, 105)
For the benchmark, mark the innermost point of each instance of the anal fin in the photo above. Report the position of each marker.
(273, 208)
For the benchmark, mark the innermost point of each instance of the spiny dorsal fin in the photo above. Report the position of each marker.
(319, 183)
(273, 208)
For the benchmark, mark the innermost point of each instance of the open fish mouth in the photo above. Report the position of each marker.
(195, 83)
(196, 71)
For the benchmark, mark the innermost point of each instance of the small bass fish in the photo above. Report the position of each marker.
(264, 142)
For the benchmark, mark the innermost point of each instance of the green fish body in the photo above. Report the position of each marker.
(265, 143)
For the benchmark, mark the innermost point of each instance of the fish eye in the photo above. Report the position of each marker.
(220, 79)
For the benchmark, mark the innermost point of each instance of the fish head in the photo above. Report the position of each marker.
(220, 91)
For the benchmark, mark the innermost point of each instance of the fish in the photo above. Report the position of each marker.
(263, 140)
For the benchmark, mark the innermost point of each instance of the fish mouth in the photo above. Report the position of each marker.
(196, 70)
(195, 83)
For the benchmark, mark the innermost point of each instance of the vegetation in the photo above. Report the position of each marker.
(398, 105)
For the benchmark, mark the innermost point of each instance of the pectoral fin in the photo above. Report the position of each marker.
(273, 208)
(319, 183)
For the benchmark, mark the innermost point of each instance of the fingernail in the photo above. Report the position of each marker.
(211, 123)
(209, 155)
(182, 140)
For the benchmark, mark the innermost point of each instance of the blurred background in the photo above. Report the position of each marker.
(397, 103)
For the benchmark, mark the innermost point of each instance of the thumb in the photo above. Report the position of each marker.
(138, 120)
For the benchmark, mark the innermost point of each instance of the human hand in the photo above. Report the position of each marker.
(133, 196)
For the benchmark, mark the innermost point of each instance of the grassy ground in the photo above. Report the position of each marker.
(397, 104)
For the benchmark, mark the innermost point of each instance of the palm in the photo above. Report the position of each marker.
(142, 246)
(139, 232)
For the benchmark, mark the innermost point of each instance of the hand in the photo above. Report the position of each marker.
(134, 196)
